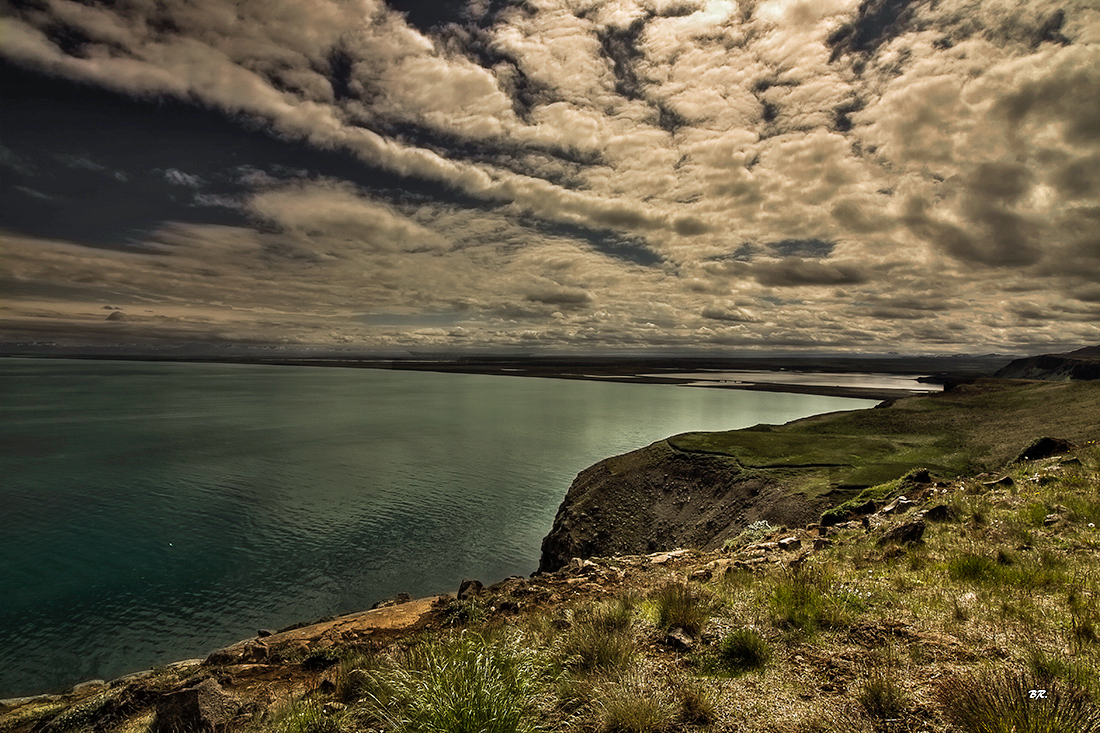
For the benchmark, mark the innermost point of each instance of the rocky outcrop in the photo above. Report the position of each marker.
(204, 707)
(658, 498)
(1074, 365)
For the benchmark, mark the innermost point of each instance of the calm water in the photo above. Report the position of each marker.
(153, 512)
(816, 379)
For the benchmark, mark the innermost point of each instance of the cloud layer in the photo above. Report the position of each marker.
(877, 175)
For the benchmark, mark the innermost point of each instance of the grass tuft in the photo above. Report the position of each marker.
(591, 648)
(684, 606)
(465, 684)
(1008, 702)
(799, 601)
(741, 651)
(630, 705)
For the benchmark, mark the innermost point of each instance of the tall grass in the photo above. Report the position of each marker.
(465, 685)
(1008, 702)
(683, 606)
(799, 601)
(632, 705)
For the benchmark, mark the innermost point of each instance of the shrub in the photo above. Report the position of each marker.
(682, 605)
(753, 533)
(465, 685)
(1006, 702)
(742, 651)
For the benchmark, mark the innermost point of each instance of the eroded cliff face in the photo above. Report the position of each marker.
(658, 498)
(1075, 365)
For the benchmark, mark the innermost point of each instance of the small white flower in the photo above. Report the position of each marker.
(1092, 526)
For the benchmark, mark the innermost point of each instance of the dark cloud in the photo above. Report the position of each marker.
(876, 22)
(793, 272)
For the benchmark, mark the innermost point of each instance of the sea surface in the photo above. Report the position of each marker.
(151, 512)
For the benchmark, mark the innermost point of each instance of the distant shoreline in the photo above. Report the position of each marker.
(630, 370)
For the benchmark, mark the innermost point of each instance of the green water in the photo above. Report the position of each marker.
(151, 511)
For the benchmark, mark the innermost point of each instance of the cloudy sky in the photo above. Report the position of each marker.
(885, 175)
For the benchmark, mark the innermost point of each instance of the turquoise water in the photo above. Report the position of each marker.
(151, 511)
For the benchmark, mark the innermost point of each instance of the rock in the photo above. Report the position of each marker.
(1005, 480)
(331, 708)
(117, 316)
(1044, 447)
(1052, 519)
(396, 600)
(1073, 462)
(679, 640)
(468, 589)
(790, 543)
(820, 543)
(264, 632)
(937, 513)
(701, 575)
(203, 707)
(908, 533)
(899, 505)
(88, 686)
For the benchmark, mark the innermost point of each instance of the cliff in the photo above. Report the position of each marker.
(1074, 365)
(699, 489)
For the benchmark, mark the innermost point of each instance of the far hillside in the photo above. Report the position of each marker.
(1071, 366)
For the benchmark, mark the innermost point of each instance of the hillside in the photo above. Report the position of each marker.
(1080, 364)
(970, 605)
(699, 489)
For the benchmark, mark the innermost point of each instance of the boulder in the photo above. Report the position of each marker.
(937, 513)
(908, 533)
(203, 707)
(468, 589)
(1044, 447)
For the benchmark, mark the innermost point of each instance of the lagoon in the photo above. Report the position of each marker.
(155, 511)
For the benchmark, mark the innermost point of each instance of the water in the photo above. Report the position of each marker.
(151, 512)
(866, 380)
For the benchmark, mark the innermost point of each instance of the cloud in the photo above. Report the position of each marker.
(841, 173)
(179, 178)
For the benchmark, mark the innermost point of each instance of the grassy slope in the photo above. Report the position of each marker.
(974, 428)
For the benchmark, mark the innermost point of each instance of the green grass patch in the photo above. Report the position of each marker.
(738, 652)
(799, 601)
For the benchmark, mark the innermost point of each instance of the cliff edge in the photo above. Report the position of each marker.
(700, 489)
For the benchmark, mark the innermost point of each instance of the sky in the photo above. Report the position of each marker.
(552, 175)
